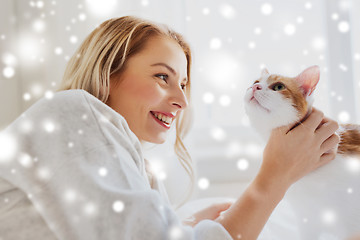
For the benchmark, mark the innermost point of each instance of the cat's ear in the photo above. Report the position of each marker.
(308, 79)
(264, 72)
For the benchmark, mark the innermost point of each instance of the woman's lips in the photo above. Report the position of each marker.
(167, 126)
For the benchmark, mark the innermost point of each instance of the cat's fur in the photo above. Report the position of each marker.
(327, 201)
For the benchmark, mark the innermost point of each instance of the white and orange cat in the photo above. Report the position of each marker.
(327, 201)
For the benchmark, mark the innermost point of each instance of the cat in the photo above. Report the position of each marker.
(326, 202)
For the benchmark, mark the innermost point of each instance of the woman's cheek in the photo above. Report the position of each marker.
(152, 94)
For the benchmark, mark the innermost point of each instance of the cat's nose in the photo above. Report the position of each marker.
(256, 87)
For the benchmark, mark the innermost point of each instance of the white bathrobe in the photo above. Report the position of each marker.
(71, 169)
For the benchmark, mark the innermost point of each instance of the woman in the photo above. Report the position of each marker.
(78, 172)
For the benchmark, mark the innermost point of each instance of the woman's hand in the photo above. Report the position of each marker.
(212, 212)
(291, 154)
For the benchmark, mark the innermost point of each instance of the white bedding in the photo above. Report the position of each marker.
(281, 225)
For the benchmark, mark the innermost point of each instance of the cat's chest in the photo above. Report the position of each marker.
(341, 170)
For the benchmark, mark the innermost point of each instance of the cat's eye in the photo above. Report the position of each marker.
(278, 87)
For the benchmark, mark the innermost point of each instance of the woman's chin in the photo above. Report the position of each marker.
(155, 139)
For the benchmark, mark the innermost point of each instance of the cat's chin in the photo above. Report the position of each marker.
(253, 101)
(265, 121)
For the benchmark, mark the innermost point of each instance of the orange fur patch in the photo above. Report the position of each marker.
(292, 92)
(349, 136)
(349, 140)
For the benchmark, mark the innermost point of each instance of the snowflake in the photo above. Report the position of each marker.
(343, 26)
(157, 168)
(8, 72)
(26, 126)
(101, 7)
(90, 209)
(39, 26)
(49, 94)
(145, 2)
(103, 171)
(70, 195)
(44, 173)
(329, 217)
(175, 232)
(215, 43)
(266, 9)
(218, 133)
(118, 206)
(203, 183)
(58, 50)
(242, 164)
(225, 100)
(227, 11)
(208, 97)
(40, 4)
(8, 147)
(353, 165)
(344, 117)
(73, 39)
(9, 59)
(289, 29)
(318, 43)
(25, 160)
(257, 30)
(206, 11)
(82, 16)
(308, 5)
(49, 126)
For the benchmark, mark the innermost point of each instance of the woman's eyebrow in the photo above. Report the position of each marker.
(165, 65)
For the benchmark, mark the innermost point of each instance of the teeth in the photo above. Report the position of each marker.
(163, 118)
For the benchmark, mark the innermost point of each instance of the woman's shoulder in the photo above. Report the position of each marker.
(74, 118)
(80, 107)
(75, 110)
(71, 104)
(66, 100)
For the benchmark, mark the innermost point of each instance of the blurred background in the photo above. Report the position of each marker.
(231, 41)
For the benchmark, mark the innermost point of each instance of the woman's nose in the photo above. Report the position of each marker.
(256, 87)
(178, 98)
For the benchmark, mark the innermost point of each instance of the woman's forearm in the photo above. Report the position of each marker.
(247, 216)
(288, 156)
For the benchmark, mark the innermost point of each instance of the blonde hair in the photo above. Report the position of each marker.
(104, 53)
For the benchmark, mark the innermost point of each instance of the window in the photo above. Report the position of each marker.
(231, 42)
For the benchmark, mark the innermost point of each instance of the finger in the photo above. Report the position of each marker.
(330, 143)
(327, 129)
(325, 119)
(222, 206)
(284, 129)
(326, 158)
(314, 120)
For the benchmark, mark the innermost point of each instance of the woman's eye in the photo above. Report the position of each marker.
(278, 87)
(162, 76)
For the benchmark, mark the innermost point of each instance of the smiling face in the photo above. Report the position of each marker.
(273, 100)
(150, 92)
